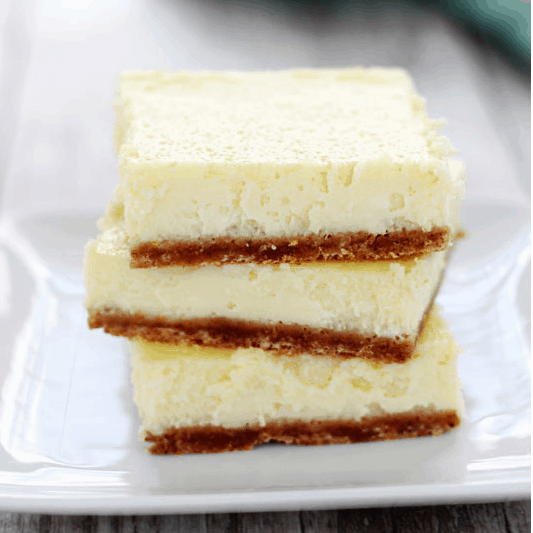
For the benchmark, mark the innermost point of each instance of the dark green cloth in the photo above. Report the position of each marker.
(504, 24)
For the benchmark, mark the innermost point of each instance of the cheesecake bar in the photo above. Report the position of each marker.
(195, 399)
(371, 310)
(280, 167)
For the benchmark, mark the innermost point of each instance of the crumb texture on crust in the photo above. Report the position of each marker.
(286, 339)
(216, 439)
(359, 246)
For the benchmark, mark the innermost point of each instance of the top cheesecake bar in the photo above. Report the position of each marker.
(280, 167)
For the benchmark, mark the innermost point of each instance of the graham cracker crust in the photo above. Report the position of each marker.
(216, 439)
(286, 339)
(359, 246)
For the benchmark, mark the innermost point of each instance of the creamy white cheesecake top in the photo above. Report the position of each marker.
(212, 154)
(180, 386)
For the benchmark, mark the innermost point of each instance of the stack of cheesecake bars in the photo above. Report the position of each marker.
(272, 251)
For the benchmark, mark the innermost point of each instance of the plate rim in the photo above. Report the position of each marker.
(516, 487)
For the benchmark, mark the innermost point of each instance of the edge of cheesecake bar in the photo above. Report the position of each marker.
(372, 310)
(285, 339)
(360, 246)
(291, 166)
(216, 439)
(195, 399)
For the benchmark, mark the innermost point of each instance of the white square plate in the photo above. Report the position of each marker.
(68, 425)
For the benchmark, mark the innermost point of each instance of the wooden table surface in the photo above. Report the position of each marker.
(311, 36)
(509, 517)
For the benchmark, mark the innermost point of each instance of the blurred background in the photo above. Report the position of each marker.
(60, 60)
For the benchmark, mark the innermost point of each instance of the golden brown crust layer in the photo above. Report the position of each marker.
(215, 439)
(287, 339)
(360, 246)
